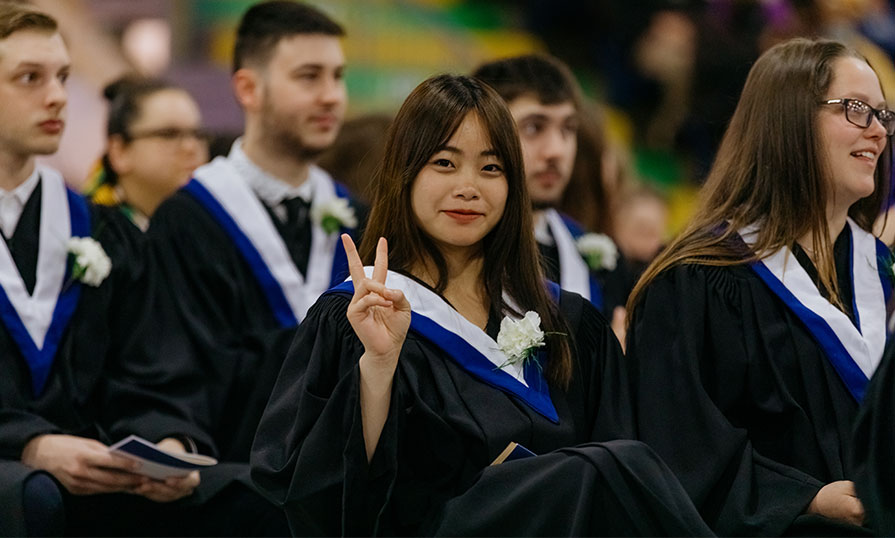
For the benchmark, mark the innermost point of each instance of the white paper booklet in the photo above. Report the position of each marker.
(158, 463)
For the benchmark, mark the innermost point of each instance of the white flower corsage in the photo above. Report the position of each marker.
(334, 215)
(598, 250)
(520, 339)
(91, 264)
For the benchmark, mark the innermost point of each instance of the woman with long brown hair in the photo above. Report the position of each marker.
(404, 383)
(754, 334)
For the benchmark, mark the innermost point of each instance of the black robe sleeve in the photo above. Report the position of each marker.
(698, 345)
(238, 344)
(309, 447)
(115, 372)
(17, 427)
(875, 447)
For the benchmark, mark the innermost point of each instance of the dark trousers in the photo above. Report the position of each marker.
(236, 510)
(42, 506)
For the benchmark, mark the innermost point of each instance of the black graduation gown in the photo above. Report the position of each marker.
(430, 473)
(238, 342)
(106, 381)
(736, 396)
(874, 446)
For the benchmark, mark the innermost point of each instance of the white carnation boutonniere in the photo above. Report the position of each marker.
(520, 339)
(598, 250)
(91, 264)
(334, 215)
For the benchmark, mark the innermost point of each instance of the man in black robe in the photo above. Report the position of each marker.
(251, 242)
(78, 349)
(544, 99)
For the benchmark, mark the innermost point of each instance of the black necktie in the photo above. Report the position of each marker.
(24, 243)
(297, 231)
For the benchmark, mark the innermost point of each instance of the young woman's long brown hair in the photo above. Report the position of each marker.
(771, 170)
(425, 123)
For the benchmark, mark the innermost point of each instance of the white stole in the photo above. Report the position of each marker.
(36, 310)
(574, 274)
(427, 303)
(225, 183)
(865, 347)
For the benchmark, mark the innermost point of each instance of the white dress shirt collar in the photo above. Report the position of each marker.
(270, 189)
(542, 229)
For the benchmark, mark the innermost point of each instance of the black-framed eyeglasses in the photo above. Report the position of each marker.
(172, 134)
(859, 113)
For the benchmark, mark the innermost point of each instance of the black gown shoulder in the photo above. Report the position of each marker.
(739, 400)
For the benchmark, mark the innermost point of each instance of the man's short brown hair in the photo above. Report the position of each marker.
(18, 16)
(545, 77)
(265, 24)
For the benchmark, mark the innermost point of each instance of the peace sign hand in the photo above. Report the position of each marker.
(379, 316)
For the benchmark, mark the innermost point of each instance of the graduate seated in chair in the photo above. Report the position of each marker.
(754, 333)
(82, 359)
(248, 245)
(154, 143)
(545, 100)
(405, 382)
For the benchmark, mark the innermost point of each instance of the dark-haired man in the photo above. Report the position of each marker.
(544, 99)
(252, 241)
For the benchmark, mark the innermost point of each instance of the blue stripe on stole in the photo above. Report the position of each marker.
(884, 268)
(574, 228)
(554, 290)
(536, 395)
(596, 293)
(272, 290)
(854, 379)
(340, 269)
(40, 360)
(596, 290)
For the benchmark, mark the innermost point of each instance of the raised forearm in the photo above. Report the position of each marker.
(376, 379)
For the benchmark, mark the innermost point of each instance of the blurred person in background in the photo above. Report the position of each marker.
(155, 141)
(248, 245)
(544, 98)
(641, 226)
(356, 153)
(878, 25)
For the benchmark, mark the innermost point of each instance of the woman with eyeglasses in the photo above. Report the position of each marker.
(753, 335)
(155, 141)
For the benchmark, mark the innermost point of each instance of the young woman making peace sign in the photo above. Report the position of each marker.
(405, 383)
